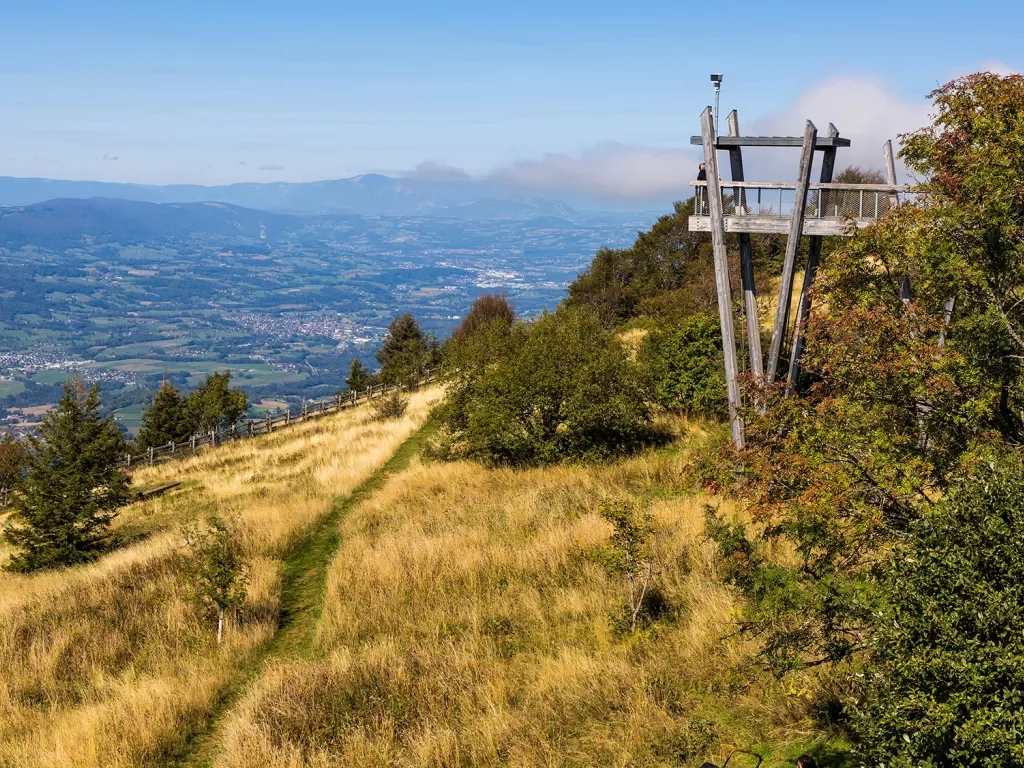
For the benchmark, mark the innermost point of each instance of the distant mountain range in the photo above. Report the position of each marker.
(69, 222)
(368, 195)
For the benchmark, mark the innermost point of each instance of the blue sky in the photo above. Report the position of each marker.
(552, 95)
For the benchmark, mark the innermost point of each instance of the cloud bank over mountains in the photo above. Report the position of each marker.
(862, 108)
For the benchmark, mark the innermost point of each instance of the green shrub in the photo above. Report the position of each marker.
(389, 407)
(635, 556)
(945, 682)
(558, 388)
(683, 367)
(217, 570)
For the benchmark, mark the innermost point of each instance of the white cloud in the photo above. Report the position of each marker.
(271, 167)
(863, 110)
(608, 170)
(110, 156)
(431, 171)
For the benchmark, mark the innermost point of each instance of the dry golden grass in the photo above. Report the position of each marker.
(108, 665)
(466, 624)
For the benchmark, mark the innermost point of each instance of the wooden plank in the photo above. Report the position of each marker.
(828, 164)
(792, 243)
(765, 225)
(157, 490)
(722, 274)
(813, 185)
(732, 123)
(725, 142)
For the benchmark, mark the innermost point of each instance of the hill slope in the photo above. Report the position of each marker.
(109, 664)
(464, 619)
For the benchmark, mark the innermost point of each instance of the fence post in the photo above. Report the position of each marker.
(270, 423)
(192, 442)
(250, 427)
(213, 438)
(128, 464)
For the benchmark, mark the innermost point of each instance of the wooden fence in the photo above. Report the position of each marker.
(254, 427)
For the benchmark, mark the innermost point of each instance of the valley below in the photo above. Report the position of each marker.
(129, 294)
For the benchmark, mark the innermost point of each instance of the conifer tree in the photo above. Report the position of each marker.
(165, 420)
(72, 485)
(407, 352)
(359, 378)
(214, 403)
(12, 461)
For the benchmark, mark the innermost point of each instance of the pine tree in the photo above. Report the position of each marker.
(406, 353)
(165, 420)
(12, 461)
(72, 485)
(215, 404)
(359, 378)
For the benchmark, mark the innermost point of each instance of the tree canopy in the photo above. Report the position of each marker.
(359, 377)
(165, 420)
(215, 403)
(406, 353)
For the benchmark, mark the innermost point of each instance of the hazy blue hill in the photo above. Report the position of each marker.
(370, 194)
(62, 223)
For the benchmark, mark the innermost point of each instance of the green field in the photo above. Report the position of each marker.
(151, 366)
(130, 417)
(50, 377)
(11, 388)
(254, 376)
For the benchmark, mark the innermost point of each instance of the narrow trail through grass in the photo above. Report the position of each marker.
(302, 595)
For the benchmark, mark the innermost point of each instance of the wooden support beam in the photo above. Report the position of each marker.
(732, 123)
(947, 315)
(707, 125)
(890, 166)
(828, 166)
(792, 243)
(890, 176)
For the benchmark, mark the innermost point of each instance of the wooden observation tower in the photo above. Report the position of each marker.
(794, 208)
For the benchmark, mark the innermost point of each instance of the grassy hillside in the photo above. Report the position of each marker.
(399, 613)
(108, 665)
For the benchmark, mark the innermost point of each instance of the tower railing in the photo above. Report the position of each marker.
(860, 202)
